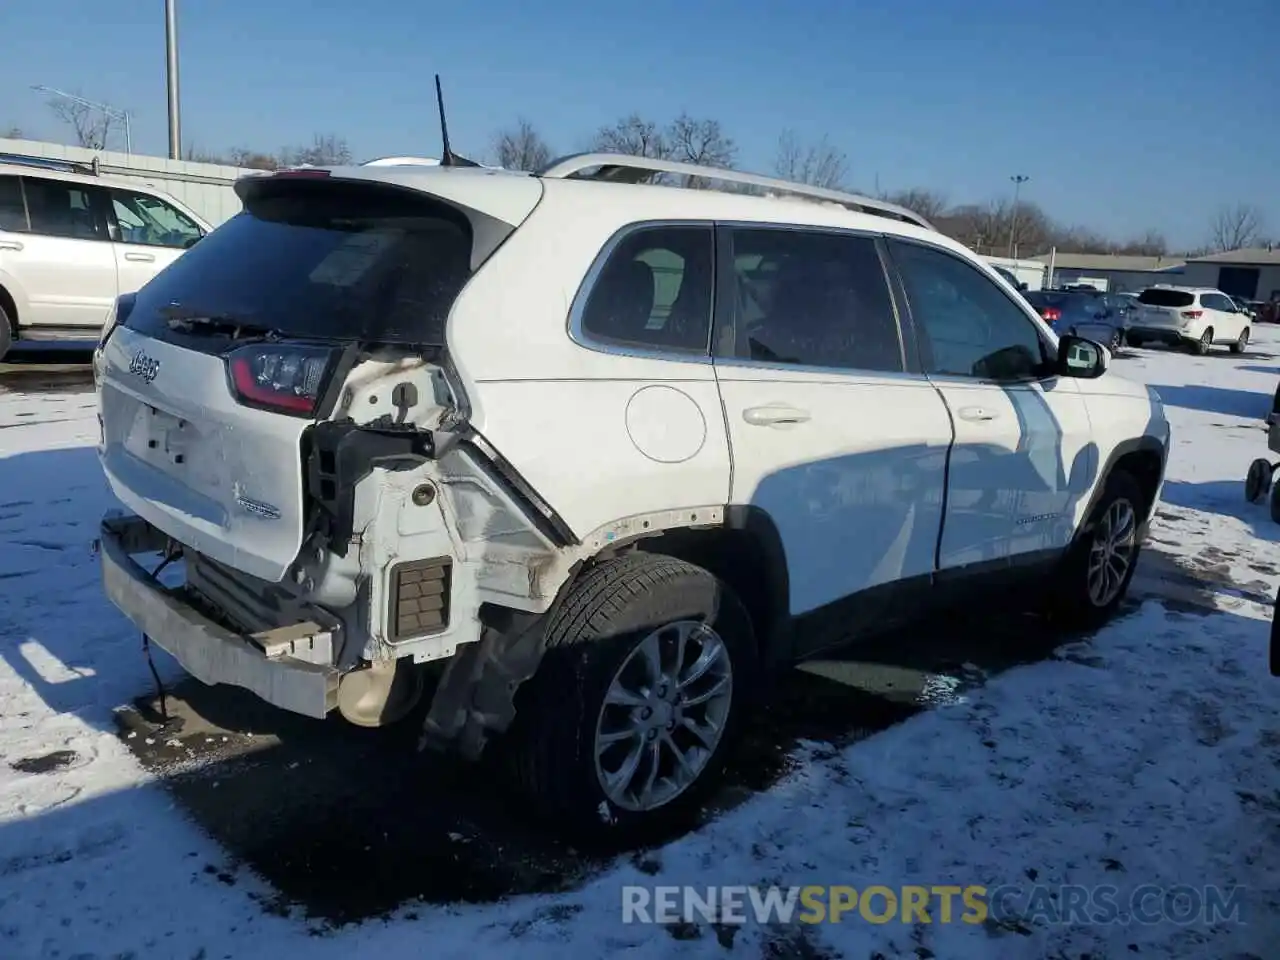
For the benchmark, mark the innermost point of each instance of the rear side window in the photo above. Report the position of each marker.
(813, 299)
(61, 209)
(347, 262)
(13, 212)
(1156, 297)
(654, 291)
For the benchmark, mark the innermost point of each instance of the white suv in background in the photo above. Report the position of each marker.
(1195, 317)
(72, 241)
(597, 454)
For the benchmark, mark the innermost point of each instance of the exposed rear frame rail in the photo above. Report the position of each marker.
(624, 168)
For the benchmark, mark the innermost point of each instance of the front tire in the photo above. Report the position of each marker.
(626, 724)
(1101, 562)
(1242, 342)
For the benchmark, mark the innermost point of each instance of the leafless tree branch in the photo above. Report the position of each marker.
(521, 148)
(818, 164)
(1235, 226)
(90, 125)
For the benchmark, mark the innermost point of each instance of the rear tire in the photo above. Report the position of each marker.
(596, 709)
(1274, 503)
(1201, 346)
(1242, 342)
(1100, 564)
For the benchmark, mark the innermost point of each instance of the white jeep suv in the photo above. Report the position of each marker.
(72, 241)
(605, 452)
(1193, 317)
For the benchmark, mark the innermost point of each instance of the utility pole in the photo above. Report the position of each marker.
(1018, 180)
(171, 75)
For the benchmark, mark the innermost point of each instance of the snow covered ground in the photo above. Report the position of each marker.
(1143, 757)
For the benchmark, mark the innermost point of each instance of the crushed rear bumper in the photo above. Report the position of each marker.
(290, 667)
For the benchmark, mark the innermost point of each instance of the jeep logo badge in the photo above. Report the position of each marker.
(143, 366)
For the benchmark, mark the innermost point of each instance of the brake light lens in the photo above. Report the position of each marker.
(1051, 314)
(1192, 314)
(282, 378)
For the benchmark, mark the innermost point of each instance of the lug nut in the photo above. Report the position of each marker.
(646, 713)
(653, 735)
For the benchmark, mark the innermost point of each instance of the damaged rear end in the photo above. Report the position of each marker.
(281, 420)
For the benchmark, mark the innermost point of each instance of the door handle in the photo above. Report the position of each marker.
(774, 415)
(141, 257)
(10, 245)
(977, 414)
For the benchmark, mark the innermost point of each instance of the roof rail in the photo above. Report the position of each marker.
(51, 163)
(625, 168)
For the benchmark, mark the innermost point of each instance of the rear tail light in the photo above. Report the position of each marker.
(283, 378)
(1192, 314)
(1051, 314)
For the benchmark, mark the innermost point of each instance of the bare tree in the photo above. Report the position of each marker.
(251, 159)
(635, 136)
(819, 164)
(11, 132)
(986, 228)
(326, 150)
(90, 125)
(1235, 226)
(928, 203)
(703, 142)
(520, 148)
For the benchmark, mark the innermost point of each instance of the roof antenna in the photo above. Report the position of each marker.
(447, 157)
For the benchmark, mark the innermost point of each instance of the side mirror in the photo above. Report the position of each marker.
(1081, 358)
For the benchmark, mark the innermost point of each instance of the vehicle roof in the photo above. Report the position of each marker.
(48, 173)
(1170, 286)
(505, 194)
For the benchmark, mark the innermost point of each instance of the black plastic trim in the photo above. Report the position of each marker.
(339, 455)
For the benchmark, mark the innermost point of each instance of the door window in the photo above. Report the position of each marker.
(812, 299)
(58, 208)
(151, 222)
(13, 212)
(654, 291)
(967, 326)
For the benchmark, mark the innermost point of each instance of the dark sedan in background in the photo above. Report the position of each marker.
(1085, 313)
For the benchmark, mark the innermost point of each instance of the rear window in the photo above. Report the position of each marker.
(1166, 298)
(322, 260)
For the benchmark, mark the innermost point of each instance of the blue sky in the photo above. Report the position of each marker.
(1126, 114)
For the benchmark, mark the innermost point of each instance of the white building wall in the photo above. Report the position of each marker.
(205, 187)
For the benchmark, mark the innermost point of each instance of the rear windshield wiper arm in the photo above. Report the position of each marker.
(213, 324)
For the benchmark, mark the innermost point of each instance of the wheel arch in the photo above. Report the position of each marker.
(1144, 458)
(747, 553)
(10, 307)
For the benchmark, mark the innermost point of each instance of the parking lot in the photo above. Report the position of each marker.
(1143, 755)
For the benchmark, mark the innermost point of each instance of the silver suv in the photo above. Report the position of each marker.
(593, 454)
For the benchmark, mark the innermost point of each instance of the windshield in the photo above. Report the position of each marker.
(345, 262)
(1157, 297)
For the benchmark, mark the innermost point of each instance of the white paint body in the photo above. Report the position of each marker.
(63, 281)
(868, 478)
